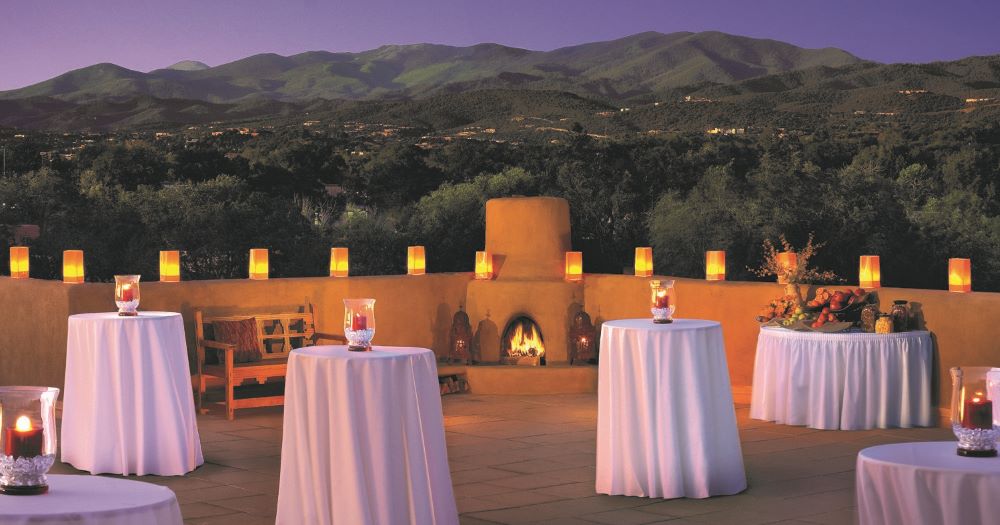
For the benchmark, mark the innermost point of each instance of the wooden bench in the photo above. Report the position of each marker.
(277, 333)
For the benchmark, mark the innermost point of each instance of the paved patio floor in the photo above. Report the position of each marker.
(530, 459)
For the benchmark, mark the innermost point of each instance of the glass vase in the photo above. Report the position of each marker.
(662, 301)
(127, 294)
(27, 438)
(359, 324)
(973, 392)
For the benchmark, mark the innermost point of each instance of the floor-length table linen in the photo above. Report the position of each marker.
(93, 500)
(846, 381)
(926, 484)
(128, 406)
(666, 424)
(363, 440)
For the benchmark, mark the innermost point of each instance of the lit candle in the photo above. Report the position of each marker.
(662, 299)
(22, 441)
(359, 322)
(127, 293)
(978, 412)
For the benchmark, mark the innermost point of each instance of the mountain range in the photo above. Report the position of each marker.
(730, 80)
(642, 63)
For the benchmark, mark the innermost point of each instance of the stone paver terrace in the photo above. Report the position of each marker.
(530, 459)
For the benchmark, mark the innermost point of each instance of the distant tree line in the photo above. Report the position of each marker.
(914, 197)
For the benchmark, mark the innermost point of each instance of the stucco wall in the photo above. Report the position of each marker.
(417, 310)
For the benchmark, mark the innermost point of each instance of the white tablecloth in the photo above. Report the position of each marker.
(926, 483)
(666, 426)
(93, 500)
(364, 439)
(128, 406)
(849, 381)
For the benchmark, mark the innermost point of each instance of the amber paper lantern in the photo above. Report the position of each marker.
(574, 266)
(258, 264)
(416, 263)
(484, 265)
(960, 275)
(339, 262)
(643, 261)
(170, 266)
(715, 265)
(19, 262)
(73, 266)
(788, 261)
(869, 272)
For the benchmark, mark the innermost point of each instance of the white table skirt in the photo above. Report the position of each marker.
(666, 426)
(364, 439)
(926, 483)
(128, 406)
(850, 381)
(93, 500)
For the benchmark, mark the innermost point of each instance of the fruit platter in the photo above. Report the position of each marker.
(829, 311)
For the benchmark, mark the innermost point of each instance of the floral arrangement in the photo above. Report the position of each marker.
(799, 273)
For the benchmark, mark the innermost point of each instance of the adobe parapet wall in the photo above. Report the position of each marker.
(417, 311)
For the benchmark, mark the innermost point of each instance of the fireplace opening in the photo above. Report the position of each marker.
(522, 343)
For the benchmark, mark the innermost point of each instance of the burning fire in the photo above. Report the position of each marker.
(526, 343)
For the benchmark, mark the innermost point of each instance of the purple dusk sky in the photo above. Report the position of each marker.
(39, 40)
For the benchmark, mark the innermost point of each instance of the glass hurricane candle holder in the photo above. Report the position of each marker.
(127, 294)
(662, 301)
(359, 324)
(972, 417)
(27, 438)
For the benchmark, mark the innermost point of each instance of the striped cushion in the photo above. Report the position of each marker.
(243, 334)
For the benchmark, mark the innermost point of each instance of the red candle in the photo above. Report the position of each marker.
(978, 412)
(127, 293)
(22, 440)
(662, 300)
(359, 322)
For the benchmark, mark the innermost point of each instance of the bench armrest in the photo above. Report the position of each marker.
(208, 343)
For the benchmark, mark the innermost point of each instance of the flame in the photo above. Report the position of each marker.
(23, 424)
(526, 342)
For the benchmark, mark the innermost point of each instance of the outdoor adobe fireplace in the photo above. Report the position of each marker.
(522, 343)
(528, 237)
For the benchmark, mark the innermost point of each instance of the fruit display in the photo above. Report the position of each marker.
(780, 308)
(828, 311)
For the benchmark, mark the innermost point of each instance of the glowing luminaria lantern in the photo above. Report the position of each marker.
(258, 264)
(960, 275)
(484, 265)
(643, 261)
(416, 264)
(787, 261)
(170, 266)
(869, 272)
(73, 266)
(19, 262)
(339, 262)
(574, 266)
(715, 265)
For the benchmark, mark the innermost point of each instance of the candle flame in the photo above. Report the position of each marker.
(23, 424)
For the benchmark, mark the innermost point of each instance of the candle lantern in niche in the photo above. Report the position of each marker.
(27, 438)
(582, 335)
(460, 341)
